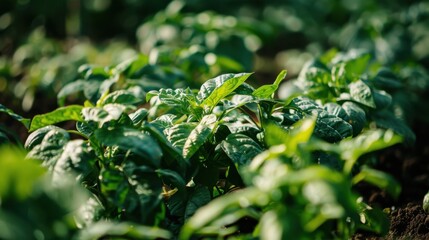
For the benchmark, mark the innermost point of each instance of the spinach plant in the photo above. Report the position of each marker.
(353, 87)
(153, 156)
(289, 196)
(35, 207)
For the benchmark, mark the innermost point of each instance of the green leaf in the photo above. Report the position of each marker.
(172, 177)
(239, 100)
(244, 128)
(116, 188)
(122, 230)
(274, 225)
(36, 137)
(336, 110)
(172, 155)
(103, 114)
(51, 146)
(381, 99)
(94, 89)
(212, 91)
(426, 203)
(328, 127)
(300, 132)
(86, 128)
(165, 121)
(374, 219)
(356, 115)
(244, 89)
(199, 197)
(131, 67)
(307, 105)
(386, 79)
(240, 148)
(179, 133)
(132, 140)
(145, 187)
(70, 88)
(361, 93)
(356, 62)
(26, 188)
(122, 97)
(216, 209)
(151, 94)
(387, 120)
(326, 195)
(351, 149)
(72, 112)
(327, 56)
(139, 115)
(380, 179)
(177, 97)
(314, 80)
(199, 135)
(17, 176)
(267, 91)
(95, 72)
(24, 121)
(332, 128)
(77, 158)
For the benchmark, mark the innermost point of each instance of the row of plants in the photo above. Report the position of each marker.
(157, 159)
(207, 43)
(42, 66)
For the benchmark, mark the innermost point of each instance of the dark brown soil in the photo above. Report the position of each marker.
(409, 222)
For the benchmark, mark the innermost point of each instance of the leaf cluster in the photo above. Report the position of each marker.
(199, 162)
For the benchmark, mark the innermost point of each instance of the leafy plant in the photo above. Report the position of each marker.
(347, 86)
(289, 196)
(156, 156)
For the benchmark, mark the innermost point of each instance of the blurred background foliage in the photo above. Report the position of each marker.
(43, 42)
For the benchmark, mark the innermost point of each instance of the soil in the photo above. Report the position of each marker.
(410, 166)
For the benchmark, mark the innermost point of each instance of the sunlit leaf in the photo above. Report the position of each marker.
(366, 142)
(103, 114)
(267, 91)
(77, 158)
(50, 147)
(122, 97)
(139, 115)
(132, 140)
(240, 148)
(199, 135)
(72, 112)
(179, 133)
(361, 93)
(213, 90)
